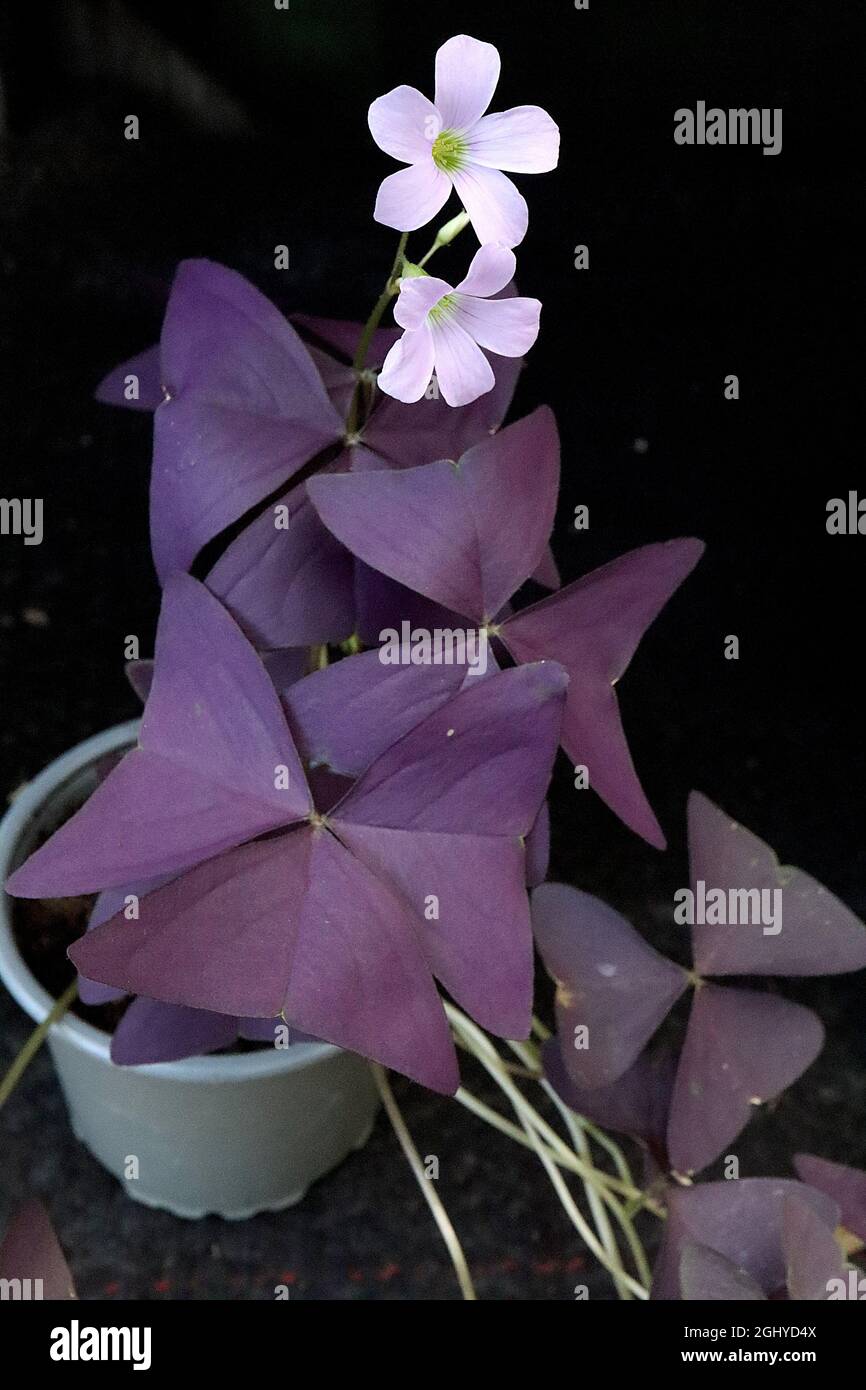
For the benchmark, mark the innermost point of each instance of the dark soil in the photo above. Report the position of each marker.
(44, 929)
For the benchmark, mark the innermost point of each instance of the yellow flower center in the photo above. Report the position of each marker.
(449, 151)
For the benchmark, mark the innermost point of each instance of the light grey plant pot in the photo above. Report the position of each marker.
(230, 1135)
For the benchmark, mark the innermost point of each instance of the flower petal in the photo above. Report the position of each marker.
(523, 140)
(411, 197)
(506, 326)
(462, 370)
(411, 437)
(492, 267)
(416, 299)
(408, 367)
(404, 123)
(467, 72)
(498, 211)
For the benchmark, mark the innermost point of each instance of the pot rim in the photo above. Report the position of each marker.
(36, 1001)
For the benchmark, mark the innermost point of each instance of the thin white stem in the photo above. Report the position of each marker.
(528, 1055)
(536, 1128)
(431, 1197)
(573, 1124)
(479, 1045)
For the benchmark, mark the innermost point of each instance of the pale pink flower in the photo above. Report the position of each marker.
(450, 142)
(447, 328)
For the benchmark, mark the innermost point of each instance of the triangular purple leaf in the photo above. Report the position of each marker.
(741, 1048)
(479, 765)
(613, 990)
(245, 408)
(30, 1250)
(285, 579)
(847, 1186)
(707, 1276)
(358, 975)
(477, 943)
(147, 391)
(741, 1219)
(813, 934)
(219, 937)
(350, 713)
(636, 1104)
(593, 627)
(484, 522)
(151, 1031)
(204, 774)
(812, 1256)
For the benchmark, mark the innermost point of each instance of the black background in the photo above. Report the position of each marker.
(703, 262)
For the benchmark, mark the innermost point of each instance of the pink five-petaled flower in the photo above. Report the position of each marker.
(452, 143)
(447, 328)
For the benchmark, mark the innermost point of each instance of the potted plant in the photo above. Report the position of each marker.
(322, 836)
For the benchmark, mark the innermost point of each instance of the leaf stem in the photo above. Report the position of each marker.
(35, 1041)
(543, 1140)
(595, 1200)
(431, 1197)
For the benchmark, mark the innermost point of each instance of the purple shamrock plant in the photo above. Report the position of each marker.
(491, 514)
(323, 923)
(340, 849)
(741, 1049)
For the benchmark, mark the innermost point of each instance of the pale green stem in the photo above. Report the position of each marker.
(623, 1215)
(496, 1121)
(388, 293)
(536, 1128)
(35, 1041)
(482, 1049)
(542, 1032)
(563, 1156)
(574, 1214)
(528, 1054)
(602, 1139)
(610, 1147)
(439, 242)
(431, 1197)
